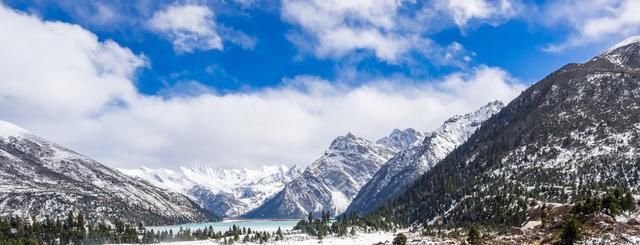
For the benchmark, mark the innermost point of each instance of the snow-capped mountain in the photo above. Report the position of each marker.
(405, 167)
(227, 192)
(329, 183)
(39, 178)
(401, 139)
(573, 133)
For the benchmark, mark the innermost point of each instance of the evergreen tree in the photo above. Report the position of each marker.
(628, 202)
(473, 236)
(571, 232)
(400, 239)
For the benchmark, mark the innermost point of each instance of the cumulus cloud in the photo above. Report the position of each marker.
(599, 21)
(81, 94)
(190, 27)
(390, 29)
(463, 11)
(91, 76)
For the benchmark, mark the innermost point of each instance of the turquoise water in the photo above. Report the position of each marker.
(256, 225)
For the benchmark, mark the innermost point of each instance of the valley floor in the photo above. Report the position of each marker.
(303, 239)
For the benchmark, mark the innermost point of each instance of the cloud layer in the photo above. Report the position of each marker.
(390, 29)
(593, 21)
(61, 82)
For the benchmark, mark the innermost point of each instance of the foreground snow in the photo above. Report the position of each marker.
(363, 238)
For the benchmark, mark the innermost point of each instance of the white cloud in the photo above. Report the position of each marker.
(389, 28)
(61, 82)
(339, 27)
(462, 11)
(599, 21)
(92, 75)
(190, 27)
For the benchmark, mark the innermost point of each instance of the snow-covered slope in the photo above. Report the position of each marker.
(409, 164)
(227, 192)
(624, 54)
(39, 178)
(570, 135)
(329, 183)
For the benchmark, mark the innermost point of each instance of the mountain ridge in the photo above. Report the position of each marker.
(39, 178)
(330, 182)
(228, 192)
(407, 165)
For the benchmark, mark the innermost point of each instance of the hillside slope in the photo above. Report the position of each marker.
(576, 129)
(39, 178)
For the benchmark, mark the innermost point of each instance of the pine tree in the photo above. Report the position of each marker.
(400, 239)
(473, 236)
(571, 232)
(628, 202)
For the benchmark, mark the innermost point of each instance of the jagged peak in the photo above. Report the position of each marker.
(294, 171)
(401, 139)
(8, 129)
(485, 110)
(491, 107)
(347, 137)
(346, 142)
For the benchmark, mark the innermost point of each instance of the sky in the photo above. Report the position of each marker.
(246, 83)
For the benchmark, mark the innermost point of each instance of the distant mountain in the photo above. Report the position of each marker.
(39, 178)
(575, 131)
(228, 192)
(329, 183)
(405, 167)
(401, 139)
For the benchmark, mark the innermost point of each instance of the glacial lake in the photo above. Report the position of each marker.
(255, 225)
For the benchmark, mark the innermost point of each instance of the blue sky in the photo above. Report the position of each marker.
(515, 45)
(248, 82)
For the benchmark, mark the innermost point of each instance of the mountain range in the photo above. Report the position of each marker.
(226, 192)
(410, 163)
(196, 193)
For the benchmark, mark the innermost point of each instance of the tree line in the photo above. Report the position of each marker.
(346, 224)
(75, 230)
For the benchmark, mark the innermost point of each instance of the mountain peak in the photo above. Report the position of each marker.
(401, 139)
(628, 41)
(490, 108)
(8, 129)
(342, 142)
(625, 54)
(411, 162)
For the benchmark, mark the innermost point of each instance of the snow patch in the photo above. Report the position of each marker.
(8, 129)
(630, 40)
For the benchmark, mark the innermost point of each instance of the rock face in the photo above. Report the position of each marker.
(39, 178)
(404, 168)
(329, 183)
(577, 129)
(227, 192)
